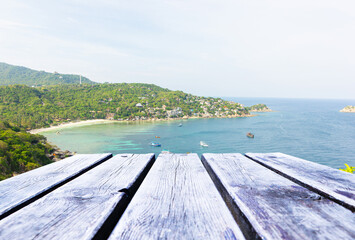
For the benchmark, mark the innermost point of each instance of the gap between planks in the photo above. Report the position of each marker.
(330, 189)
(86, 208)
(274, 206)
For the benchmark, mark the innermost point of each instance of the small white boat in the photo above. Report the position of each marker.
(203, 144)
(155, 144)
(180, 125)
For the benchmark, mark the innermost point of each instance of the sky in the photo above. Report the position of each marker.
(234, 48)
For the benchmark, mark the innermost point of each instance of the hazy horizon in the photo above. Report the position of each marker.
(270, 49)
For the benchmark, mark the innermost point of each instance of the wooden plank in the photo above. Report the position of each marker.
(25, 188)
(329, 182)
(275, 207)
(177, 200)
(85, 208)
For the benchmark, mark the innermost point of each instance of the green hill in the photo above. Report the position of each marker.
(30, 107)
(10, 74)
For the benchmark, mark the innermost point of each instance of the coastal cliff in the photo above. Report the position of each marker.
(349, 109)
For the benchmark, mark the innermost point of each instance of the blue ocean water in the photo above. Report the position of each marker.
(311, 129)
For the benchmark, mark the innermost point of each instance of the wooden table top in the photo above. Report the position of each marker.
(179, 196)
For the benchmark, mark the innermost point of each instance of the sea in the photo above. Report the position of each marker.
(312, 129)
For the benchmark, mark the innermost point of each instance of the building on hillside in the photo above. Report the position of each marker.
(175, 112)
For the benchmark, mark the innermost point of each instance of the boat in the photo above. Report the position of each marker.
(154, 144)
(157, 137)
(250, 135)
(203, 144)
(180, 125)
(165, 151)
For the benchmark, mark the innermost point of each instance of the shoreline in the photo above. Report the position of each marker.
(71, 124)
(263, 111)
(103, 121)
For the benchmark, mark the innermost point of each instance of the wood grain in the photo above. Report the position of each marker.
(22, 189)
(329, 182)
(274, 206)
(80, 208)
(177, 200)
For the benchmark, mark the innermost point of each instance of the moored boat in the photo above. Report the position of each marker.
(203, 144)
(250, 135)
(154, 144)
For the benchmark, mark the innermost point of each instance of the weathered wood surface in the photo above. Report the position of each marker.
(78, 209)
(274, 206)
(329, 182)
(22, 189)
(177, 200)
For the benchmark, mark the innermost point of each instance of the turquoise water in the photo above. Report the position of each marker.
(311, 129)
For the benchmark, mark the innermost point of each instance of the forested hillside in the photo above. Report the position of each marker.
(21, 151)
(10, 74)
(31, 107)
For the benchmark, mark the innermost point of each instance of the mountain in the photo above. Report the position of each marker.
(10, 74)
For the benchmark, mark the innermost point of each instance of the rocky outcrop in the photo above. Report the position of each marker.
(58, 154)
(259, 108)
(349, 108)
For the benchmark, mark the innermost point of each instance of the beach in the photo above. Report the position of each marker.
(71, 124)
(102, 121)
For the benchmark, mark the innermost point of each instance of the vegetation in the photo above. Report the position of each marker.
(44, 99)
(348, 169)
(258, 108)
(21, 151)
(23, 108)
(10, 75)
(30, 107)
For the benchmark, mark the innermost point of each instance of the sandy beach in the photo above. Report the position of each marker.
(94, 121)
(71, 124)
(102, 121)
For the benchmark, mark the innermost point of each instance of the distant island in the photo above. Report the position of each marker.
(259, 108)
(30, 100)
(349, 109)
